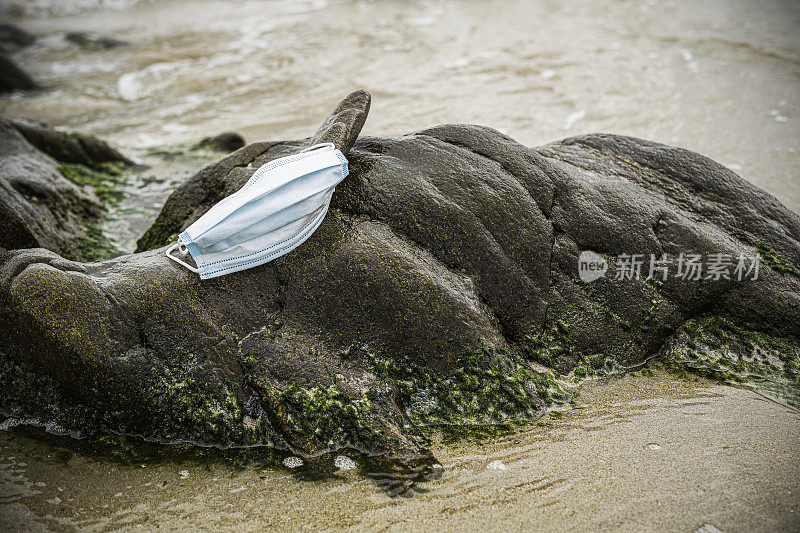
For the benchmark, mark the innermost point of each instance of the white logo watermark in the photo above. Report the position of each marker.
(591, 266)
(687, 267)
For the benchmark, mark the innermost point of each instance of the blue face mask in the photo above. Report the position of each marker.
(278, 208)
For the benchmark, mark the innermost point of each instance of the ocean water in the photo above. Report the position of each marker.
(718, 77)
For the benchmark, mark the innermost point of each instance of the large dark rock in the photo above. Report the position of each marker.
(74, 148)
(442, 279)
(14, 37)
(51, 188)
(12, 77)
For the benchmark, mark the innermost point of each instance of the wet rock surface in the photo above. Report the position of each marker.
(440, 289)
(14, 37)
(224, 142)
(54, 188)
(12, 76)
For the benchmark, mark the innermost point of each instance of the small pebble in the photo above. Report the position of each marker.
(496, 465)
(292, 462)
(343, 462)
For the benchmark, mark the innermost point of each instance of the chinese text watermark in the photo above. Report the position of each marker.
(683, 266)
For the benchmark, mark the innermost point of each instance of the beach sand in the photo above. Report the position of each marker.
(643, 453)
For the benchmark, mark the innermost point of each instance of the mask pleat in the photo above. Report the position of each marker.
(250, 253)
(260, 185)
(276, 205)
(273, 222)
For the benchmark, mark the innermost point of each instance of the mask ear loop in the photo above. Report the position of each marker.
(317, 147)
(182, 263)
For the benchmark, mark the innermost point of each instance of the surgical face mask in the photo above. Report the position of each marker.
(278, 208)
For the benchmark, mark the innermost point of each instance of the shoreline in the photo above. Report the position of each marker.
(655, 452)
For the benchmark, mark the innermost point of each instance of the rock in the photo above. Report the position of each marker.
(74, 148)
(344, 124)
(14, 37)
(93, 41)
(442, 283)
(12, 77)
(224, 142)
(44, 199)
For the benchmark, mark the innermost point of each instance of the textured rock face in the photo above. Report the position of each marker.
(445, 271)
(39, 205)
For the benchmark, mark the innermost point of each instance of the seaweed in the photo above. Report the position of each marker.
(106, 182)
(776, 262)
(718, 349)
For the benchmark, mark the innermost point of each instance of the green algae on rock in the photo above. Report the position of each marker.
(93, 245)
(776, 262)
(715, 347)
(490, 386)
(106, 183)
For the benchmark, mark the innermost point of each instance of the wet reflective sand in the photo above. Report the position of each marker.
(645, 453)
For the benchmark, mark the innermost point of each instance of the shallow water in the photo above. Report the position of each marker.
(718, 77)
(645, 453)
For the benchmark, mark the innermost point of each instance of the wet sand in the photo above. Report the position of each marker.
(645, 453)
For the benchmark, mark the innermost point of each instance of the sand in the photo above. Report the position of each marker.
(644, 453)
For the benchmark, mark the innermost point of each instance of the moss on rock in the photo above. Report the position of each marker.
(181, 405)
(94, 244)
(489, 386)
(776, 262)
(38, 400)
(107, 182)
(717, 348)
(329, 415)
